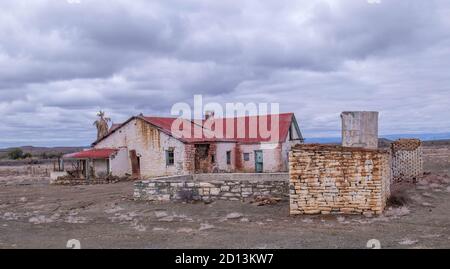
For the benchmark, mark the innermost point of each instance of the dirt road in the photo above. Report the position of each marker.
(34, 214)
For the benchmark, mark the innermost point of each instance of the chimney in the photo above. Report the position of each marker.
(209, 114)
(360, 129)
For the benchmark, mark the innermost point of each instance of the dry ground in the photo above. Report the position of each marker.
(34, 214)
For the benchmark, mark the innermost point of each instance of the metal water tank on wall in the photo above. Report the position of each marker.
(360, 129)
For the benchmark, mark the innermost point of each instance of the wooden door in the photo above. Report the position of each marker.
(135, 164)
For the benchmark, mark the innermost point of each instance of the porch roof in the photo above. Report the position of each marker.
(102, 153)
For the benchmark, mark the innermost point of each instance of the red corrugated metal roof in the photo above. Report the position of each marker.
(165, 125)
(103, 153)
(249, 134)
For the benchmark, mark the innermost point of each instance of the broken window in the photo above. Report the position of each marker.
(246, 156)
(228, 157)
(170, 157)
(213, 158)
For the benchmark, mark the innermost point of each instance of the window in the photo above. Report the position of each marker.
(213, 158)
(246, 156)
(228, 157)
(170, 157)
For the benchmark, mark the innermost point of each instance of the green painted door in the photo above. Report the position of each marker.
(258, 161)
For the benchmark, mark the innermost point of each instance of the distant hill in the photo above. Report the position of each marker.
(384, 142)
(39, 151)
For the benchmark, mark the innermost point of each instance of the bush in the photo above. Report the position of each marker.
(27, 156)
(15, 154)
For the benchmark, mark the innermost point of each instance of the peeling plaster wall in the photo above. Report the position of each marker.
(221, 157)
(150, 145)
(120, 163)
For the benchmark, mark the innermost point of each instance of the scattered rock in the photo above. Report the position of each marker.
(423, 188)
(427, 204)
(307, 220)
(448, 189)
(10, 216)
(167, 219)
(23, 199)
(124, 217)
(368, 214)
(408, 242)
(245, 220)
(42, 219)
(427, 194)
(159, 229)
(397, 211)
(138, 227)
(234, 215)
(260, 201)
(161, 214)
(205, 226)
(185, 230)
(435, 185)
(74, 219)
(431, 236)
(113, 210)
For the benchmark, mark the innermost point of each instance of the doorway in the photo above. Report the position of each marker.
(135, 164)
(259, 161)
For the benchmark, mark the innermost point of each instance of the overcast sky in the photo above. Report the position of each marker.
(63, 60)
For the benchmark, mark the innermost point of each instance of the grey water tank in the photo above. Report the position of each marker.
(360, 129)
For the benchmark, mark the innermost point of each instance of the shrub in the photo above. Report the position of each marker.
(27, 156)
(15, 154)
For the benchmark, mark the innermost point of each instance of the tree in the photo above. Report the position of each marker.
(15, 154)
(102, 124)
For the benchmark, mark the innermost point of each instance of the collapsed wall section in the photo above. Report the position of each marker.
(328, 179)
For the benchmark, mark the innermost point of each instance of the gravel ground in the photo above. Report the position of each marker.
(34, 214)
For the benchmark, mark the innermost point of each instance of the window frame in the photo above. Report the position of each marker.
(170, 160)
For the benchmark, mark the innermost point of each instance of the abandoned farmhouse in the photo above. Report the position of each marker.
(146, 147)
(353, 178)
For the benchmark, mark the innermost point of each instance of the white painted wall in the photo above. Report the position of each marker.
(150, 145)
(100, 167)
(271, 158)
(120, 163)
(221, 157)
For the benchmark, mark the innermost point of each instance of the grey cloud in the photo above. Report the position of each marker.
(61, 62)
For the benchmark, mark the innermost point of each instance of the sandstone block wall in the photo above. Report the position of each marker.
(234, 187)
(407, 159)
(333, 179)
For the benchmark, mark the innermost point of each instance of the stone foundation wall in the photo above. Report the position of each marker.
(210, 187)
(407, 160)
(333, 179)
